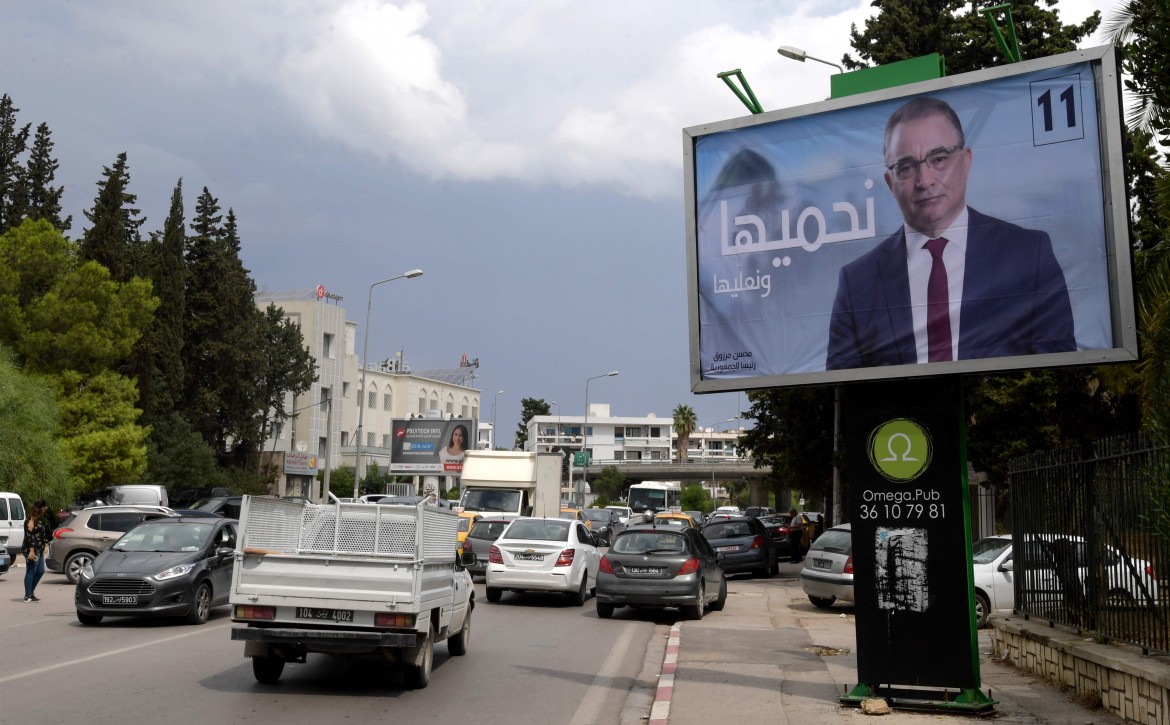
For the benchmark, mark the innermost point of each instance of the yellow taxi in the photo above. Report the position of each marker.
(572, 513)
(467, 519)
(676, 519)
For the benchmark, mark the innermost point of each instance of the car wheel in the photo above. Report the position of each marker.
(822, 602)
(77, 561)
(721, 600)
(201, 605)
(420, 675)
(582, 594)
(1120, 598)
(267, 669)
(982, 609)
(89, 619)
(604, 611)
(695, 611)
(493, 594)
(457, 645)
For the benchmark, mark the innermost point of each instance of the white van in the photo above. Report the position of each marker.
(11, 526)
(136, 495)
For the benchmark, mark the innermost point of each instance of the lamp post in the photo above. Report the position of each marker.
(585, 432)
(362, 395)
(797, 54)
(494, 397)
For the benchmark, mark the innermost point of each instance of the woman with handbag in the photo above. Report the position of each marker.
(36, 534)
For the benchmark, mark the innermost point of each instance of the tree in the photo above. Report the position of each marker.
(528, 408)
(32, 463)
(905, 29)
(696, 497)
(176, 455)
(42, 199)
(684, 424)
(289, 369)
(609, 482)
(114, 240)
(13, 142)
(793, 437)
(160, 353)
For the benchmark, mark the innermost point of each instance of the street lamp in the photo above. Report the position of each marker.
(797, 54)
(585, 430)
(362, 395)
(494, 397)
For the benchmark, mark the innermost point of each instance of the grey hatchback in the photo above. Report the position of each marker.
(648, 566)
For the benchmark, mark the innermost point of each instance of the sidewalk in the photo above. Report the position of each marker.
(771, 656)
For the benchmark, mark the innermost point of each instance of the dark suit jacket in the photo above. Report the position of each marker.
(1014, 300)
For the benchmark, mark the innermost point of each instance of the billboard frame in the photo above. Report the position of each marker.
(1118, 254)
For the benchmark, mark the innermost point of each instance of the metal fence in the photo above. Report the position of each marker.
(1091, 539)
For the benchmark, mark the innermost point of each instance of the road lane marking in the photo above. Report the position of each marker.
(590, 706)
(80, 660)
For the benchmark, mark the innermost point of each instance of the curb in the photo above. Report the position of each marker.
(660, 710)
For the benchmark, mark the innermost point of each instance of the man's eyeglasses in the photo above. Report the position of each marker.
(937, 160)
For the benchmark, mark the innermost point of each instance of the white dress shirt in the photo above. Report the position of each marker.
(918, 263)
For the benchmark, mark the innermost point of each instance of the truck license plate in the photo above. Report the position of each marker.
(336, 615)
(119, 599)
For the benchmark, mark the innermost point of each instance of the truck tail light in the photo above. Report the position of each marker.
(690, 566)
(758, 542)
(604, 566)
(467, 547)
(566, 558)
(849, 565)
(494, 555)
(1150, 571)
(252, 611)
(62, 530)
(386, 619)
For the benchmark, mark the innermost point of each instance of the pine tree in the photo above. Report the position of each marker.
(13, 142)
(169, 274)
(43, 199)
(114, 240)
(905, 29)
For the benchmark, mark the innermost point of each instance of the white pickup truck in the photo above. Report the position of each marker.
(348, 579)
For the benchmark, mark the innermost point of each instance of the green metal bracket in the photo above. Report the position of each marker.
(968, 700)
(749, 99)
(1010, 46)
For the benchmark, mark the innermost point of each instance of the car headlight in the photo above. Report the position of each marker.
(173, 572)
(87, 570)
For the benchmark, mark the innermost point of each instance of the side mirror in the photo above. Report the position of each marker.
(225, 552)
(1007, 566)
(467, 558)
(719, 556)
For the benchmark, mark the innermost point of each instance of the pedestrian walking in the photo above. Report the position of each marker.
(796, 536)
(36, 534)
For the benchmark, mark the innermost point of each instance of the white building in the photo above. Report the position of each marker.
(393, 390)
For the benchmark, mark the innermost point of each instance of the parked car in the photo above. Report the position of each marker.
(164, 567)
(745, 544)
(605, 524)
(677, 520)
(624, 513)
(572, 513)
(698, 516)
(466, 519)
(89, 532)
(536, 554)
(226, 506)
(649, 566)
(138, 494)
(1127, 581)
(827, 574)
(818, 523)
(480, 539)
(777, 527)
(12, 516)
(196, 513)
(758, 511)
(189, 496)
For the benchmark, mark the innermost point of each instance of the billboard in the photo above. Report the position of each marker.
(430, 445)
(964, 224)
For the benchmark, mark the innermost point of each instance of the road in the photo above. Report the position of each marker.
(532, 658)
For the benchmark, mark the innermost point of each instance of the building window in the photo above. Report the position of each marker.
(450, 405)
(656, 455)
(619, 455)
(327, 346)
(422, 402)
(387, 401)
(344, 438)
(655, 431)
(344, 389)
(715, 445)
(635, 455)
(370, 439)
(371, 398)
(475, 412)
(385, 440)
(434, 401)
(325, 399)
(619, 433)
(321, 446)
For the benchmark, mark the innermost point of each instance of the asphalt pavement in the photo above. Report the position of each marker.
(770, 656)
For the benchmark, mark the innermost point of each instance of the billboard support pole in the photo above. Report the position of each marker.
(1010, 45)
(749, 99)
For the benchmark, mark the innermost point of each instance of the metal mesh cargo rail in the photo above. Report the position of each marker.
(277, 526)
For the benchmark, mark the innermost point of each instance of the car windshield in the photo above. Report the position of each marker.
(597, 515)
(165, 537)
(539, 530)
(649, 542)
(773, 520)
(570, 515)
(670, 521)
(837, 541)
(986, 551)
(488, 529)
(487, 500)
(206, 504)
(727, 530)
(464, 524)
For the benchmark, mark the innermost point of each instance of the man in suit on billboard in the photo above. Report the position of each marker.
(952, 283)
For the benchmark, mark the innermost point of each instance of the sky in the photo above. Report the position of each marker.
(526, 155)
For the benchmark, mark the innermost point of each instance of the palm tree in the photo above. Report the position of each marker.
(684, 425)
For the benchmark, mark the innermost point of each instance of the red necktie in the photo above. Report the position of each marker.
(938, 306)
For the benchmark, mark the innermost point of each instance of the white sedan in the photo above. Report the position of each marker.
(543, 555)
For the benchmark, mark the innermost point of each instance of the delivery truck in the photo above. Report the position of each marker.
(511, 483)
